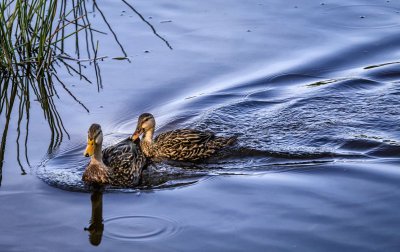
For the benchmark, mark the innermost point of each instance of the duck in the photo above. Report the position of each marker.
(118, 165)
(180, 144)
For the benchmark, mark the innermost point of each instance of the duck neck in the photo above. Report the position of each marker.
(97, 172)
(147, 142)
(97, 155)
(148, 135)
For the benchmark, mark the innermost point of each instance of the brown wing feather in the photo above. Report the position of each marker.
(126, 161)
(188, 144)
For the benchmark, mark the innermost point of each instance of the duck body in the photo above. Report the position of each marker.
(180, 144)
(126, 161)
(97, 173)
(118, 165)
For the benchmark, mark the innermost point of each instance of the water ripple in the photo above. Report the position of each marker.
(280, 121)
(363, 16)
(139, 228)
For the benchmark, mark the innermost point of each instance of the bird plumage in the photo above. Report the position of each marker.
(126, 161)
(119, 165)
(180, 144)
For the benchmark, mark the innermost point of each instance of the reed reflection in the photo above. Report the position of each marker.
(32, 38)
(32, 50)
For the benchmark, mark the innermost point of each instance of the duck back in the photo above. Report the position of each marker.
(125, 161)
(189, 144)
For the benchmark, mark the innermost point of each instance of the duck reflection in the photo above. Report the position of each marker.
(96, 226)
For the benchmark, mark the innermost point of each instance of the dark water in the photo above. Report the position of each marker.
(312, 90)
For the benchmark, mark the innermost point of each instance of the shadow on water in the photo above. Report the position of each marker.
(32, 52)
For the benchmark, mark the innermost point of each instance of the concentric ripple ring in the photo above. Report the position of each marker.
(139, 228)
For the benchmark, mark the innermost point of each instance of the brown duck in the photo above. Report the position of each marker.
(119, 165)
(180, 144)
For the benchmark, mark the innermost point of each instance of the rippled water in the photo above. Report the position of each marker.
(132, 228)
(281, 120)
(312, 90)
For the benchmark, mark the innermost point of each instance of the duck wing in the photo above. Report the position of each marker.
(185, 144)
(126, 161)
(184, 137)
(115, 152)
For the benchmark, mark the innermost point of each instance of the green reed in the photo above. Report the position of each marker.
(32, 35)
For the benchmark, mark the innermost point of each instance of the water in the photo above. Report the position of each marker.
(311, 89)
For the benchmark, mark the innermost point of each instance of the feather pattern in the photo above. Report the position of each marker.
(180, 144)
(126, 161)
(119, 165)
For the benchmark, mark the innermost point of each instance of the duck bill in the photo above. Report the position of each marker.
(89, 149)
(137, 133)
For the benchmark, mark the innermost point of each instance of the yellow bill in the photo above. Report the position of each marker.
(90, 148)
(137, 133)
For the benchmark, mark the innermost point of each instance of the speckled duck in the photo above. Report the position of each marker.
(180, 144)
(118, 165)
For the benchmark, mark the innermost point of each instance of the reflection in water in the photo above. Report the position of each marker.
(125, 228)
(6, 105)
(109, 27)
(8, 109)
(29, 68)
(30, 54)
(140, 16)
(148, 23)
(96, 221)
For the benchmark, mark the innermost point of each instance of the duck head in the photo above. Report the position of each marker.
(146, 123)
(95, 139)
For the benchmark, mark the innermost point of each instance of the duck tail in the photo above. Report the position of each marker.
(224, 141)
(231, 140)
